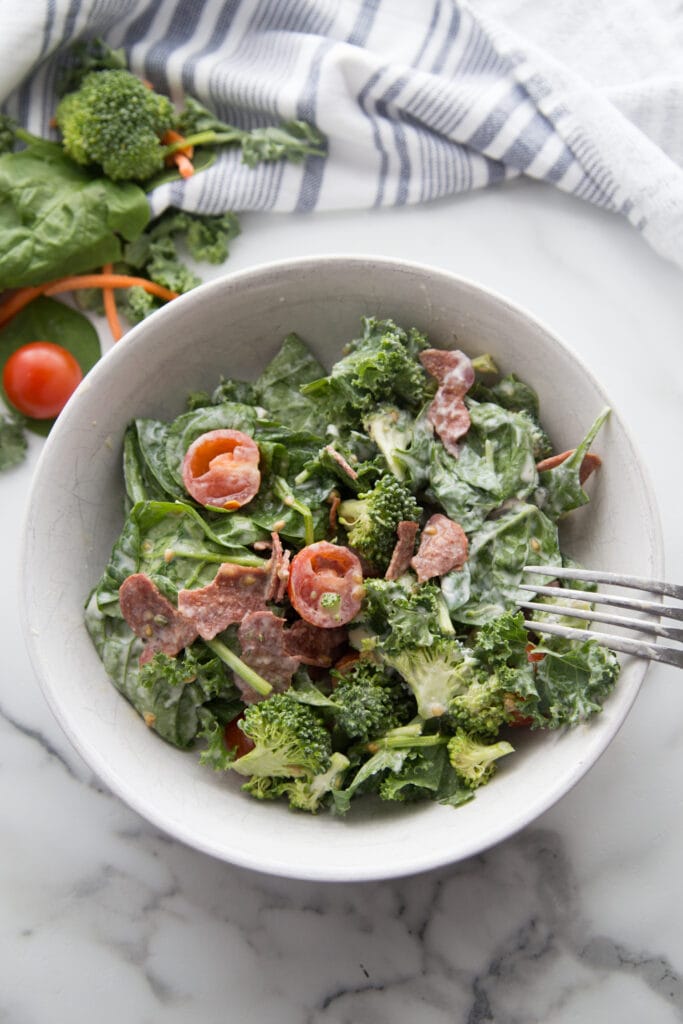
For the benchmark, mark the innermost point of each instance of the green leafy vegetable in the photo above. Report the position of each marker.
(371, 519)
(13, 443)
(573, 680)
(293, 140)
(381, 366)
(489, 584)
(57, 218)
(439, 670)
(560, 488)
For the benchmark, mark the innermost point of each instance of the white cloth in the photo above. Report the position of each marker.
(418, 98)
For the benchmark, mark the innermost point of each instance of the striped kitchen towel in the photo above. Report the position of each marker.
(418, 98)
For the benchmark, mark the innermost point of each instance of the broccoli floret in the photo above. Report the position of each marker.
(503, 687)
(381, 366)
(310, 794)
(435, 674)
(371, 519)
(474, 762)
(113, 120)
(482, 709)
(368, 703)
(290, 741)
(392, 431)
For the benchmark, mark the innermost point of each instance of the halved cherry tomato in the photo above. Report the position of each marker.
(39, 379)
(531, 654)
(326, 584)
(221, 468)
(235, 739)
(514, 707)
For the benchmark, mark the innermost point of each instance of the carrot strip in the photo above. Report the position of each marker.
(23, 296)
(80, 281)
(110, 309)
(170, 137)
(182, 157)
(20, 298)
(184, 165)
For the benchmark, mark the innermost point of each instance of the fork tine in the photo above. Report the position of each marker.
(642, 625)
(619, 580)
(651, 607)
(638, 648)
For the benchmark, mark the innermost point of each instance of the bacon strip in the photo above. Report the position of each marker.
(262, 639)
(234, 591)
(341, 462)
(443, 546)
(448, 413)
(153, 618)
(403, 551)
(314, 645)
(279, 571)
(589, 463)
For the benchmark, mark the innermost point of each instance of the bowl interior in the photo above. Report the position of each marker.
(233, 326)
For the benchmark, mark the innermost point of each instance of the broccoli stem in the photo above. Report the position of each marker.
(286, 496)
(27, 137)
(250, 677)
(207, 138)
(406, 742)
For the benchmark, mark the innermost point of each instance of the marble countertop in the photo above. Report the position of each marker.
(575, 919)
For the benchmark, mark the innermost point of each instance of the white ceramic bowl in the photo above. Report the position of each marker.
(234, 325)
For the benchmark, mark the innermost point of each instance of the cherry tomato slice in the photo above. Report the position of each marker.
(221, 468)
(235, 739)
(40, 378)
(326, 584)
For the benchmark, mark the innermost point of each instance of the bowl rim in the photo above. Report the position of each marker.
(126, 791)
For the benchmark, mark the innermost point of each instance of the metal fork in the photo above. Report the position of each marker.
(654, 609)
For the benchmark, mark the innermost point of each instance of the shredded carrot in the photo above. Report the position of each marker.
(23, 296)
(182, 158)
(110, 309)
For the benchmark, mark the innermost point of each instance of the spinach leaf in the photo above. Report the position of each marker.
(57, 218)
(277, 389)
(560, 488)
(496, 463)
(171, 543)
(140, 483)
(520, 536)
(151, 441)
(168, 693)
(48, 320)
